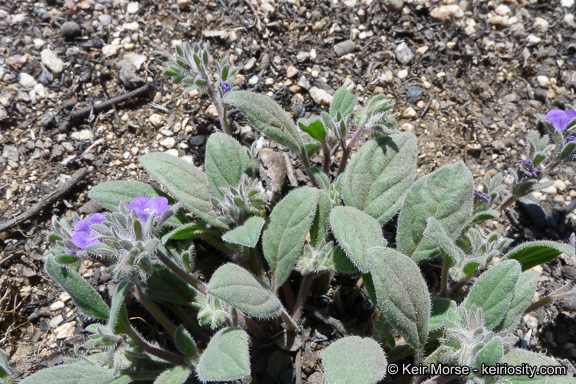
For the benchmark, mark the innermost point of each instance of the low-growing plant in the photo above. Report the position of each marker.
(459, 328)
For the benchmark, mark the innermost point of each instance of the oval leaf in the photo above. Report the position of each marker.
(226, 357)
(343, 102)
(176, 375)
(439, 312)
(447, 195)
(366, 365)
(286, 231)
(518, 357)
(523, 295)
(493, 292)
(247, 234)
(534, 253)
(490, 354)
(186, 183)
(402, 294)
(85, 297)
(380, 174)
(356, 233)
(226, 161)
(184, 342)
(239, 288)
(76, 373)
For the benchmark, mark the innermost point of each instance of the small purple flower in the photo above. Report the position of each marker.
(560, 119)
(84, 236)
(527, 168)
(225, 86)
(482, 197)
(145, 206)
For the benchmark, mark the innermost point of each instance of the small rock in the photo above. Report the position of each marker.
(65, 331)
(291, 72)
(531, 321)
(567, 3)
(57, 305)
(84, 134)
(250, 64)
(168, 142)
(568, 20)
(105, 20)
(70, 30)
(134, 26)
(402, 74)
(543, 81)
(3, 114)
(40, 90)
(51, 60)
(240, 79)
(183, 3)
(253, 80)
(395, 5)
(135, 59)
(319, 25)
(267, 8)
(128, 77)
(498, 146)
(26, 80)
(541, 24)
(503, 10)
(156, 120)
(55, 322)
(320, 96)
(10, 152)
(39, 43)
(197, 140)
(551, 190)
(409, 113)
(110, 50)
(132, 7)
(407, 127)
(532, 39)
(302, 56)
(404, 54)
(560, 185)
(344, 48)
(443, 12)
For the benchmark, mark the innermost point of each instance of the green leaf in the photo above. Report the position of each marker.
(534, 253)
(176, 375)
(490, 354)
(76, 373)
(523, 295)
(435, 232)
(439, 312)
(86, 298)
(286, 230)
(320, 177)
(320, 223)
(379, 176)
(226, 162)
(447, 195)
(184, 342)
(341, 262)
(247, 234)
(518, 357)
(314, 127)
(483, 215)
(493, 292)
(186, 182)
(343, 102)
(354, 360)
(239, 288)
(267, 116)
(118, 315)
(188, 231)
(4, 369)
(165, 286)
(356, 233)
(402, 294)
(112, 194)
(226, 357)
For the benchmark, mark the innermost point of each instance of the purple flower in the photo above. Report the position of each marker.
(560, 119)
(84, 236)
(225, 86)
(145, 206)
(199, 79)
(527, 168)
(482, 197)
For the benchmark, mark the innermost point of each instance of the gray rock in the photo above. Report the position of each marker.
(105, 20)
(404, 54)
(302, 56)
(395, 5)
(344, 48)
(128, 76)
(197, 140)
(11, 152)
(70, 30)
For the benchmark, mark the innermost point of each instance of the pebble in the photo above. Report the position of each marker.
(110, 50)
(403, 53)
(402, 74)
(568, 20)
(55, 322)
(105, 20)
(543, 81)
(503, 10)
(70, 30)
(134, 26)
(567, 3)
(344, 48)
(183, 3)
(302, 56)
(253, 80)
(320, 96)
(407, 127)
(84, 134)
(168, 142)
(541, 24)
(240, 79)
(39, 43)
(51, 60)
(532, 39)
(445, 12)
(135, 59)
(551, 190)
(57, 305)
(10, 152)
(409, 113)
(156, 120)
(26, 80)
(167, 132)
(319, 25)
(65, 331)
(395, 5)
(291, 72)
(132, 7)
(304, 83)
(531, 321)
(560, 185)
(250, 64)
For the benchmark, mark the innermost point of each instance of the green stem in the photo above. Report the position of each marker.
(190, 279)
(154, 310)
(557, 294)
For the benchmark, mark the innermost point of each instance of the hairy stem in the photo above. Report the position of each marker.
(187, 277)
(190, 323)
(445, 270)
(302, 294)
(220, 245)
(153, 350)
(219, 108)
(154, 310)
(557, 294)
(326, 164)
(289, 296)
(348, 148)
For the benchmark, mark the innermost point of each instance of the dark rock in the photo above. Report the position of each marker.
(540, 95)
(70, 30)
(48, 121)
(569, 272)
(197, 140)
(344, 48)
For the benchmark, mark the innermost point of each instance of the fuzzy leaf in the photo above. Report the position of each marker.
(163, 285)
(186, 183)
(176, 375)
(239, 288)
(184, 342)
(343, 102)
(493, 292)
(435, 232)
(320, 223)
(490, 354)
(523, 294)
(402, 294)
(76, 373)
(187, 231)
(483, 215)
(286, 231)
(517, 357)
(314, 127)
(320, 177)
(341, 262)
(118, 314)
(267, 116)
(356, 233)
(439, 312)
(85, 297)
(379, 176)
(226, 162)
(366, 365)
(226, 357)
(447, 195)
(534, 253)
(247, 234)
(4, 369)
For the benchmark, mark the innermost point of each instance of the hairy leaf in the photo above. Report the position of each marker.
(226, 161)
(447, 195)
(356, 233)
(4, 369)
(354, 360)
(517, 357)
(379, 176)
(314, 127)
(165, 286)
(493, 292)
(484, 215)
(320, 223)
(435, 232)
(490, 354)
(187, 231)
(118, 314)
(523, 294)
(439, 312)
(85, 297)
(247, 234)
(267, 116)
(184, 342)
(74, 374)
(186, 182)
(402, 294)
(286, 231)
(239, 288)
(343, 102)
(320, 177)
(176, 375)
(534, 253)
(226, 357)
